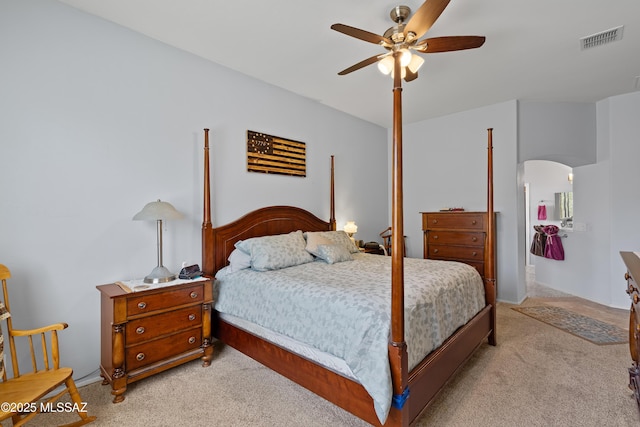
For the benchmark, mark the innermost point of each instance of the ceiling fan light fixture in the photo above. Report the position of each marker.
(416, 63)
(403, 73)
(386, 65)
(405, 58)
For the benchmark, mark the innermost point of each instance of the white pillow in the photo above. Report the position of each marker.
(338, 237)
(239, 260)
(334, 253)
(314, 240)
(274, 252)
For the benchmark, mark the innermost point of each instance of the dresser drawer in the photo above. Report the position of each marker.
(153, 351)
(456, 253)
(151, 327)
(474, 221)
(158, 301)
(463, 238)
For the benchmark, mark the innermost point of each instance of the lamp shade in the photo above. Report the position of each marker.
(350, 227)
(157, 211)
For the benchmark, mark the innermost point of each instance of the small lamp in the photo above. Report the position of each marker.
(350, 228)
(158, 211)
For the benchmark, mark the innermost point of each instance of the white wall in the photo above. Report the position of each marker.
(99, 120)
(563, 132)
(623, 126)
(445, 165)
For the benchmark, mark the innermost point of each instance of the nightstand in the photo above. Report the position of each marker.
(147, 329)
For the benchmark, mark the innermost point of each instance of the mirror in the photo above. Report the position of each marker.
(564, 206)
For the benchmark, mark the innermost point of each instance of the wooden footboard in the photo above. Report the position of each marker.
(425, 380)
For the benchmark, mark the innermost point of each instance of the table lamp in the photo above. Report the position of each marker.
(350, 228)
(158, 211)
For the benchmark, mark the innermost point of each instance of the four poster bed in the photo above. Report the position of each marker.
(248, 323)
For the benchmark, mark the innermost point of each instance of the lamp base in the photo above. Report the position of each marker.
(160, 274)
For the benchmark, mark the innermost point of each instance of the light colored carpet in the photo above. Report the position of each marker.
(538, 375)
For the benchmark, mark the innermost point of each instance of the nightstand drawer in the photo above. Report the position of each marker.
(152, 302)
(463, 220)
(456, 238)
(151, 327)
(163, 348)
(456, 253)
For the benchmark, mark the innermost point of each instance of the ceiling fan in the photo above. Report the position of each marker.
(403, 38)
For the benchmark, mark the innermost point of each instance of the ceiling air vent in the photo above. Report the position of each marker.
(601, 38)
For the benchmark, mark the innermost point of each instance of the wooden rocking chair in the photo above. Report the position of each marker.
(386, 239)
(25, 395)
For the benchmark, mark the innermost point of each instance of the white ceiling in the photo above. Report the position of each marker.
(532, 49)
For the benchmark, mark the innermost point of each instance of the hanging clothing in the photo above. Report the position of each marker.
(553, 248)
(539, 241)
(542, 212)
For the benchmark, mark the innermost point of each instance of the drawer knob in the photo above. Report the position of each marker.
(474, 238)
(435, 251)
(435, 221)
(474, 222)
(193, 295)
(192, 340)
(140, 330)
(435, 237)
(474, 253)
(192, 317)
(142, 305)
(140, 357)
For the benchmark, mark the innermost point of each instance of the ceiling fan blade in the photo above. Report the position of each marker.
(447, 44)
(361, 34)
(424, 17)
(410, 75)
(359, 65)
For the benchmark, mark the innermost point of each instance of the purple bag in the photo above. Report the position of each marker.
(553, 248)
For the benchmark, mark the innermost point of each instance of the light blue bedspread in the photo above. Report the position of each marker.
(344, 309)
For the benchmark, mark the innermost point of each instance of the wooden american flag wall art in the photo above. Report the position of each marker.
(272, 154)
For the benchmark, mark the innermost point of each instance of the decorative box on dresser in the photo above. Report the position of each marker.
(456, 236)
(632, 276)
(149, 331)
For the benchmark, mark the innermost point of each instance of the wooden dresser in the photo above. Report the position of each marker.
(150, 331)
(456, 236)
(632, 276)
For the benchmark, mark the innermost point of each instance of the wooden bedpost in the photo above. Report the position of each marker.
(332, 201)
(490, 274)
(398, 358)
(207, 255)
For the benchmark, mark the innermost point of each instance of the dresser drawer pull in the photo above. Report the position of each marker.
(140, 357)
(474, 253)
(435, 251)
(435, 221)
(474, 239)
(193, 295)
(140, 330)
(142, 305)
(192, 340)
(435, 237)
(192, 317)
(474, 222)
